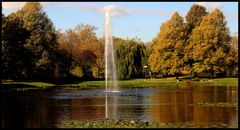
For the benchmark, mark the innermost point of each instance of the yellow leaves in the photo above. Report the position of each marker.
(207, 61)
(164, 56)
(198, 67)
(178, 45)
(153, 61)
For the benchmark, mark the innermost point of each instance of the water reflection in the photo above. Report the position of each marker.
(47, 108)
(182, 106)
(106, 106)
(111, 106)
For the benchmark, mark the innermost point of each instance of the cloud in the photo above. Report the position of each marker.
(210, 5)
(140, 11)
(114, 10)
(137, 31)
(19, 5)
(123, 11)
(72, 5)
(12, 5)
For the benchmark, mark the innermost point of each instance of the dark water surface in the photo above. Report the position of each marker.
(47, 108)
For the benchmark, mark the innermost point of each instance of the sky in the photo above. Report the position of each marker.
(129, 19)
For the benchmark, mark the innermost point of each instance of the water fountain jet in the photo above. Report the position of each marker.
(110, 65)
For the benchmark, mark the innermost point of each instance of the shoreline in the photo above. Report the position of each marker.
(133, 83)
(131, 123)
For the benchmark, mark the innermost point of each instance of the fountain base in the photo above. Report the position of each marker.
(114, 91)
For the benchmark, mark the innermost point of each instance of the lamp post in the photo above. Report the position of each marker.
(145, 68)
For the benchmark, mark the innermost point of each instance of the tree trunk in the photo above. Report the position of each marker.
(212, 71)
(176, 76)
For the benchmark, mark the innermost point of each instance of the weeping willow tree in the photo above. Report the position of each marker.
(130, 55)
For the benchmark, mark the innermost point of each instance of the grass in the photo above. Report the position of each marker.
(133, 83)
(36, 84)
(137, 124)
(26, 85)
(163, 82)
(130, 83)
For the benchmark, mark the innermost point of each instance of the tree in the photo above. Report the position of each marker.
(148, 51)
(63, 56)
(89, 50)
(167, 54)
(194, 16)
(193, 20)
(209, 44)
(41, 41)
(83, 49)
(130, 57)
(99, 69)
(15, 62)
(232, 57)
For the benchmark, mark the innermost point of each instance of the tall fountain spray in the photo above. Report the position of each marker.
(110, 65)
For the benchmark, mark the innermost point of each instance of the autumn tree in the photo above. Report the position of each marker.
(99, 69)
(89, 50)
(167, 54)
(84, 50)
(209, 44)
(63, 57)
(153, 57)
(194, 17)
(232, 57)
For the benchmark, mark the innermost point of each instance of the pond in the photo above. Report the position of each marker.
(46, 108)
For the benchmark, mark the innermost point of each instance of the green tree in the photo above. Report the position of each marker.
(42, 39)
(209, 44)
(148, 51)
(130, 55)
(15, 60)
(167, 54)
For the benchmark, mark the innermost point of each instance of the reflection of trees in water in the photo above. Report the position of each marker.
(206, 115)
(180, 105)
(87, 108)
(27, 110)
(131, 106)
(42, 109)
(11, 111)
(37, 110)
(172, 107)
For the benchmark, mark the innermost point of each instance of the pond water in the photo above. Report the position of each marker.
(48, 107)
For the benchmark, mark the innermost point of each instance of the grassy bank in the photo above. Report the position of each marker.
(163, 82)
(25, 85)
(137, 124)
(133, 83)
